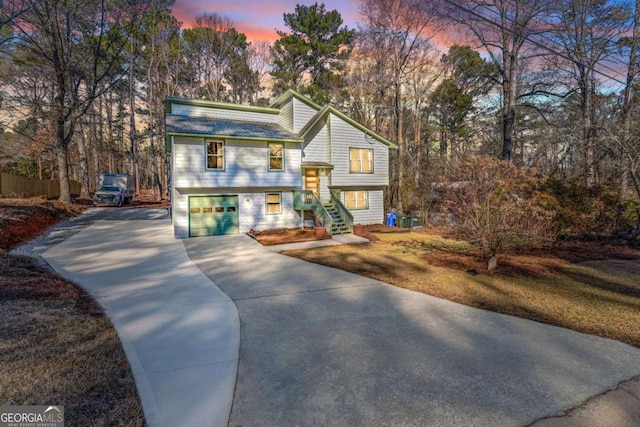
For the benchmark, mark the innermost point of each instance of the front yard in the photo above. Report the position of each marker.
(588, 287)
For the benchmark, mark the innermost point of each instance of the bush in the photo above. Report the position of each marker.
(592, 210)
(499, 207)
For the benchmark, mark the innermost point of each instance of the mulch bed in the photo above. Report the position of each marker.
(279, 236)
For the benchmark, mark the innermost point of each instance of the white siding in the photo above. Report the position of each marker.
(180, 214)
(246, 165)
(325, 193)
(345, 136)
(317, 149)
(251, 211)
(222, 113)
(286, 116)
(302, 114)
(375, 213)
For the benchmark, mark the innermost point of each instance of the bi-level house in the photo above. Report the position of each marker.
(236, 168)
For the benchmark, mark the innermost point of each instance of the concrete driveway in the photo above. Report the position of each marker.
(179, 331)
(324, 347)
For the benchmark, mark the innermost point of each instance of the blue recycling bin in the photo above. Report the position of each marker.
(391, 219)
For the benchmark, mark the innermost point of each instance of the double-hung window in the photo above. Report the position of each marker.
(356, 199)
(360, 160)
(274, 203)
(215, 155)
(276, 156)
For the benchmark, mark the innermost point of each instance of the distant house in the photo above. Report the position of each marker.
(236, 168)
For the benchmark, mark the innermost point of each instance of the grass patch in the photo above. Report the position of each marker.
(58, 347)
(597, 297)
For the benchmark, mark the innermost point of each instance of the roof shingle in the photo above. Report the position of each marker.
(176, 124)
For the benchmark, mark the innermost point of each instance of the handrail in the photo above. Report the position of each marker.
(347, 217)
(307, 200)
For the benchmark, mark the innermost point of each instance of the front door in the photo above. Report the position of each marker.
(311, 181)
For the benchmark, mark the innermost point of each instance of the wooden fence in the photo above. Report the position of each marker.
(20, 187)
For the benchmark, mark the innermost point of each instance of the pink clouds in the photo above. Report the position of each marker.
(256, 18)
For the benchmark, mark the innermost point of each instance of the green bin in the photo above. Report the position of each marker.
(412, 222)
(401, 220)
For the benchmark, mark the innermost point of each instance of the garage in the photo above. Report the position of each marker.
(213, 215)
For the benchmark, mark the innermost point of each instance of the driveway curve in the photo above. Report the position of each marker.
(179, 331)
(325, 347)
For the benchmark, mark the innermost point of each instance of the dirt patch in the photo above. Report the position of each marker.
(145, 201)
(23, 219)
(280, 236)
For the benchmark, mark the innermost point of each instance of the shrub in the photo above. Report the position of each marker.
(592, 210)
(498, 207)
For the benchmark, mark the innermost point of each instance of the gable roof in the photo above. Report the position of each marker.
(231, 129)
(324, 113)
(285, 97)
(202, 126)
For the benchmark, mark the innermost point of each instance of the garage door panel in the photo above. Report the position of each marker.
(213, 215)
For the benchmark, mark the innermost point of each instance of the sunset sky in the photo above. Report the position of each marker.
(259, 19)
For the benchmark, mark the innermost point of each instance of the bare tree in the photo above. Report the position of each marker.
(396, 35)
(504, 29)
(78, 44)
(589, 32)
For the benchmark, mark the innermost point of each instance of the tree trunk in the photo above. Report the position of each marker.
(132, 124)
(509, 89)
(63, 173)
(84, 163)
(401, 147)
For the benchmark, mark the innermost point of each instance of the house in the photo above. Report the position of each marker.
(236, 168)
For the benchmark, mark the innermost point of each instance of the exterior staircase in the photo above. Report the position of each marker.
(338, 226)
(330, 213)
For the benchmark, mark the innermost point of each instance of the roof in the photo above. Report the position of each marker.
(285, 97)
(215, 127)
(322, 114)
(221, 105)
(316, 165)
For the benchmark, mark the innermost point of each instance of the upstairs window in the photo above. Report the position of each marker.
(360, 160)
(215, 155)
(276, 156)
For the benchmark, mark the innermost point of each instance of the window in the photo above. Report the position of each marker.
(356, 199)
(274, 203)
(360, 160)
(215, 155)
(276, 156)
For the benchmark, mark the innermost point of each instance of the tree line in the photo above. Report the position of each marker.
(550, 84)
